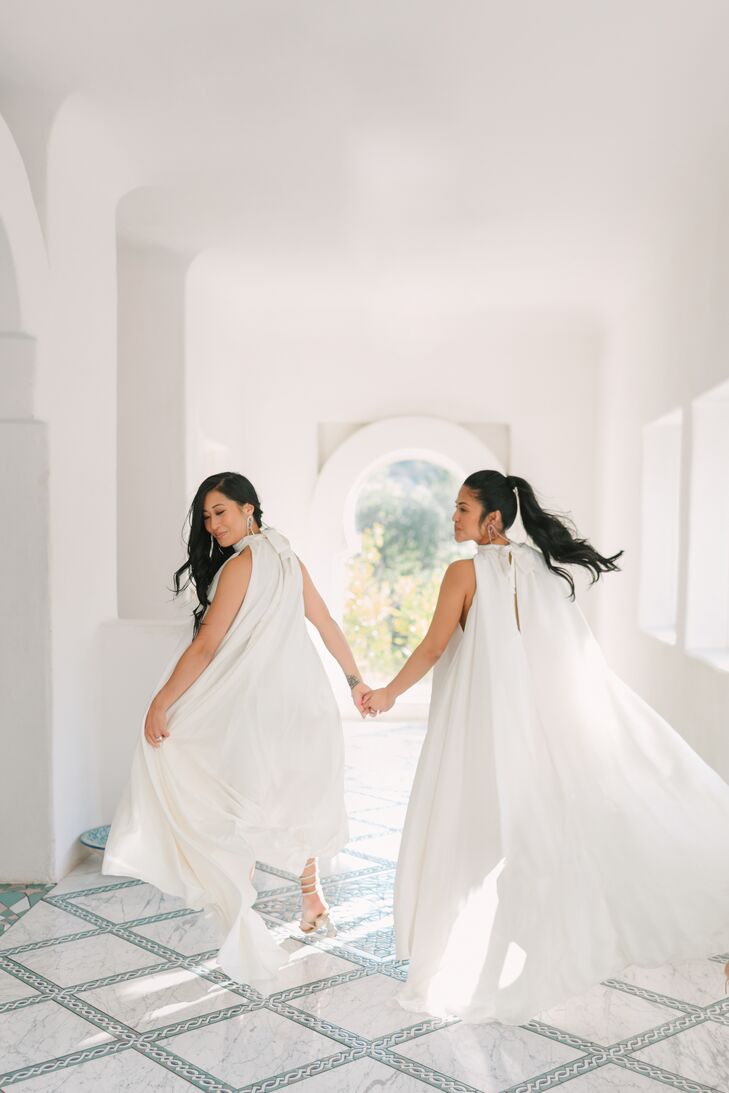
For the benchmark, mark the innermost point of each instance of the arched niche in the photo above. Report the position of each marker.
(332, 533)
(153, 392)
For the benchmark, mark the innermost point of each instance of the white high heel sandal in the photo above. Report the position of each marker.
(309, 881)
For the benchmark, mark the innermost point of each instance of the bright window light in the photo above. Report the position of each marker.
(707, 609)
(403, 518)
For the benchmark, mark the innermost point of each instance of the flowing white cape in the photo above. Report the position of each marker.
(558, 828)
(252, 769)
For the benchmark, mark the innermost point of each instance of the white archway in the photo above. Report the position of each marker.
(25, 274)
(332, 533)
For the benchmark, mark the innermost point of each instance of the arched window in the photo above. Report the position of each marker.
(403, 515)
(371, 458)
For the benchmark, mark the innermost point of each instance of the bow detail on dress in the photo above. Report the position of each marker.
(524, 559)
(278, 541)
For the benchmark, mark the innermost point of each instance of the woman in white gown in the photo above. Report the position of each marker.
(558, 828)
(241, 755)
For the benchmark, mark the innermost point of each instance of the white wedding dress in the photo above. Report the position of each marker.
(252, 769)
(558, 828)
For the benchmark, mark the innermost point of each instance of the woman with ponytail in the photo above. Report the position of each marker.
(558, 828)
(241, 755)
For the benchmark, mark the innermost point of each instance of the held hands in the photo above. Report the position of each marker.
(358, 692)
(378, 701)
(370, 702)
(155, 726)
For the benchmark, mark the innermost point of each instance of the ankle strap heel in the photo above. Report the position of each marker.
(309, 882)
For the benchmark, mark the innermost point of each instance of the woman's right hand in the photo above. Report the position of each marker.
(155, 726)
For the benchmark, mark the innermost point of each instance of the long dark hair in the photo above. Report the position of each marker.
(204, 555)
(556, 536)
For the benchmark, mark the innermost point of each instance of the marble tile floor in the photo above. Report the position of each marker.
(107, 984)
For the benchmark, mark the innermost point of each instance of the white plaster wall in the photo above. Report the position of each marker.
(151, 429)
(269, 361)
(671, 345)
(77, 395)
(25, 771)
(25, 805)
(135, 649)
(215, 423)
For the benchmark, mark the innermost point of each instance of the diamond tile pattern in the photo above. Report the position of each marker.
(109, 984)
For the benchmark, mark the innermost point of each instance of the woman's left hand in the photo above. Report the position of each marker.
(378, 701)
(155, 726)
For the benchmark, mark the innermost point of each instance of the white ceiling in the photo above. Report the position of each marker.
(537, 149)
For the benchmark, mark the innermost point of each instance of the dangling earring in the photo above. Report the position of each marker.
(212, 545)
(490, 530)
(249, 524)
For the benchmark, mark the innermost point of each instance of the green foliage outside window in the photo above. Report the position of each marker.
(403, 515)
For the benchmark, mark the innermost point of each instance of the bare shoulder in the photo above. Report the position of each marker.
(459, 581)
(460, 572)
(234, 579)
(237, 569)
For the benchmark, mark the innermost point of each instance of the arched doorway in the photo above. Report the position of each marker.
(402, 514)
(369, 456)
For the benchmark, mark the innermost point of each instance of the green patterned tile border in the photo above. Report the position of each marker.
(310, 1070)
(560, 1074)
(17, 899)
(666, 1077)
(421, 1072)
(653, 996)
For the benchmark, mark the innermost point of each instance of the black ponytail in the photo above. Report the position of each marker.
(556, 536)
